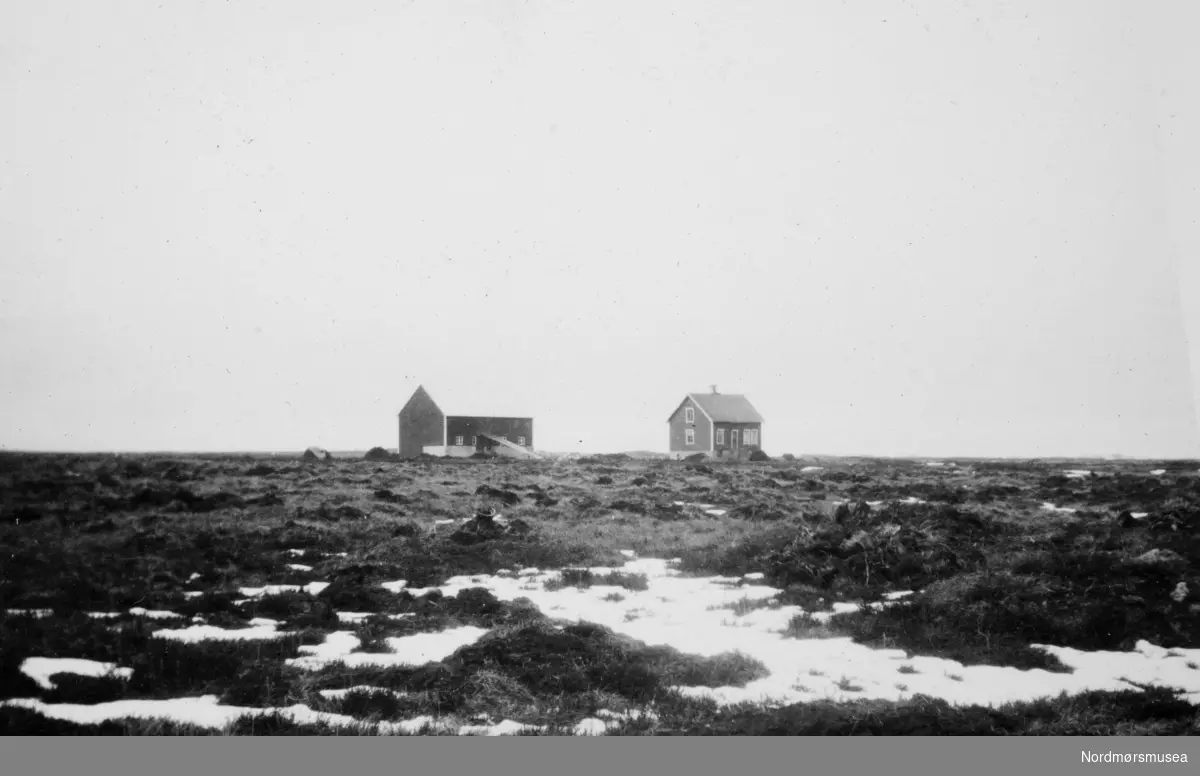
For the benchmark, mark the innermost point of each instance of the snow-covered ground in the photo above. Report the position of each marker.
(694, 615)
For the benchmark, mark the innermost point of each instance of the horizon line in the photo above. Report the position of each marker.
(923, 457)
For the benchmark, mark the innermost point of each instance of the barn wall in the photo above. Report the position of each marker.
(421, 425)
(677, 425)
(469, 426)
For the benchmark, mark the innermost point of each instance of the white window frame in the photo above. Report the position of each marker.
(689, 414)
(458, 441)
(720, 436)
(689, 436)
(474, 441)
(521, 441)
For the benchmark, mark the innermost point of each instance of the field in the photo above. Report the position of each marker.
(146, 595)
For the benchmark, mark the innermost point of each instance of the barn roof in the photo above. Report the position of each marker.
(725, 407)
(491, 409)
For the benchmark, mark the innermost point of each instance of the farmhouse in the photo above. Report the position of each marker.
(424, 428)
(716, 424)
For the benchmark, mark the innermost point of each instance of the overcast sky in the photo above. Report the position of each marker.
(901, 228)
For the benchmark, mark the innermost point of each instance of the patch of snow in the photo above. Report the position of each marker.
(206, 712)
(154, 614)
(103, 615)
(1076, 474)
(443, 522)
(913, 500)
(299, 567)
(628, 553)
(1159, 472)
(35, 613)
(506, 728)
(1138, 515)
(715, 512)
(193, 577)
(40, 669)
(593, 727)
(259, 630)
(395, 587)
(529, 572)
(812, 468)
(415, 650)
(353, 616)
(297, 553)
(754, 576)
(1046, 505)
(898, 595)
(193, 593)
(259, 622)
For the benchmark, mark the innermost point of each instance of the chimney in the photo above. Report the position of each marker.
(714, 389)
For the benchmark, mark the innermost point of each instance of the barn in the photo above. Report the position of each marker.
(716, 424)
(424, 428)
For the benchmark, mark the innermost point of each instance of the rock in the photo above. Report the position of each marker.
(1180, 593)
(316, 454)
(344, 512)
(1160, 557)
(506, 496)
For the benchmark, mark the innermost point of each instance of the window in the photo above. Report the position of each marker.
(720, 436)
(521, 441)
(751, 436)
(689, 415)
(474, 441)
(458, 441)
(689, 436)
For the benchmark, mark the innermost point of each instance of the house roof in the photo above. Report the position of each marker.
(724, 407)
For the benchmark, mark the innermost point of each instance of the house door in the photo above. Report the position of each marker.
(733, 440)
